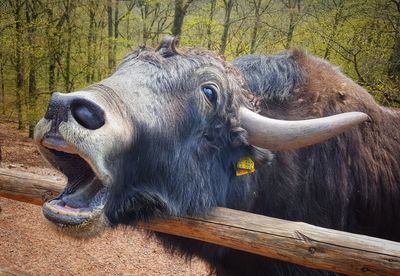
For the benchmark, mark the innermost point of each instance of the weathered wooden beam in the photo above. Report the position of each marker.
(29, 187)
(295, 242)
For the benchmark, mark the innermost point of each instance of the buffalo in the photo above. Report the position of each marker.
(178, 131)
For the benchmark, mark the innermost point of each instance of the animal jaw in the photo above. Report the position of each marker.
(79, 208)
(87, 229)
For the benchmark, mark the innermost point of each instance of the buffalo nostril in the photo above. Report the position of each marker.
(87, 114)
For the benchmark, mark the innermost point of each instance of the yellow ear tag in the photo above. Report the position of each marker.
(244, 166)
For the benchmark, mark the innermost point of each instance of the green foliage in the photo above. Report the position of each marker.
(67, 45)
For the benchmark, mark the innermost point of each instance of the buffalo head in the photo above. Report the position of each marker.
(161, 136)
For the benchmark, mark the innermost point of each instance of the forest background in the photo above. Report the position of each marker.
(64, 45)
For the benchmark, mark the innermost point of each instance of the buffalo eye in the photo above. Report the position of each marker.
(209, 92)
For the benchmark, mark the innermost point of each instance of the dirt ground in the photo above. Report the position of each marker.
(28, 243)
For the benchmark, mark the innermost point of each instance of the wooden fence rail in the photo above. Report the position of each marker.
(295, 242)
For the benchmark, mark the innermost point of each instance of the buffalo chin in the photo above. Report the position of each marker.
(78, 210)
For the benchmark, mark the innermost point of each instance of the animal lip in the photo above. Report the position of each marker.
(59, 212)
(56, 142)
(75, 209)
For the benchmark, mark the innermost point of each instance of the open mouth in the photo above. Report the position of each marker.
(84, 196)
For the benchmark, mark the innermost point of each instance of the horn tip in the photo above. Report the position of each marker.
(358, 116)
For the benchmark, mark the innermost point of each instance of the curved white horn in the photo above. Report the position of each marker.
(283, 135)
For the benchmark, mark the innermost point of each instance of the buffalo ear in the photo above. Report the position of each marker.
(168, 46)
(261, 157)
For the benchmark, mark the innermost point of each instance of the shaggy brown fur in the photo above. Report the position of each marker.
(366, 171)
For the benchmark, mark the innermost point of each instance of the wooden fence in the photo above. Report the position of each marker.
(295, 242)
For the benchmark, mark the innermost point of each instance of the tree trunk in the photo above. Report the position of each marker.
(289, 35)
(18, 61)
(292, 5)
(32, 95)
(179, 16)
(52, 75)
(31, 15)
(67, 75)
(51, 47)
(3, 100)
(393, 67)
(54, 45)
(90, 40)
(110, 36)
(394, 61)
(144, 13)
(257, 6)
(361, 80)
(210, 20)
(227, 22)
(116, 33)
